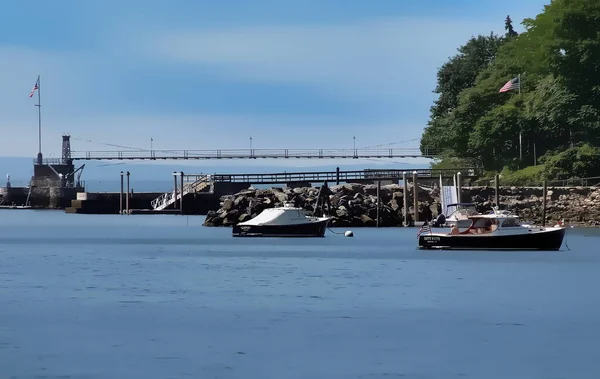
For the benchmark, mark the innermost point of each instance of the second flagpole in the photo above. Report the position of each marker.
(39, 105)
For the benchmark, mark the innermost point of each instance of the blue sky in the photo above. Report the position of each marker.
(207, 74)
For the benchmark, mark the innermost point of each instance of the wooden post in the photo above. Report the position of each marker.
(405, 198)
(544, 196)
(497, 189)
(127, 196)
(175, 190)
(181, 198)
(337, 175)
(378, 200)
(459, 187)
(454, 184)
(121, 196)
(415, 196)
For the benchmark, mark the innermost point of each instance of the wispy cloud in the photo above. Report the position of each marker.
(378, 57)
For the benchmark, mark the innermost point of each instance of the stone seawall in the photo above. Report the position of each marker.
(356, 204)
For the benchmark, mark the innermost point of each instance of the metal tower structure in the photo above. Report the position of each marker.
(66, 149)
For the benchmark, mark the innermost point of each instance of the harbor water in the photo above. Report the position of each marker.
(111, 296)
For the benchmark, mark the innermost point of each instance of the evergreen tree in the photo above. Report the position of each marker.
(510, 31)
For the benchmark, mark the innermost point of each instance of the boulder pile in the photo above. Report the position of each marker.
(355, 205)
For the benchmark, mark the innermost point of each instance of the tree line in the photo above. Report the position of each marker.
(550, 115)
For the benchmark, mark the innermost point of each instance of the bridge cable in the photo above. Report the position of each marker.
(109, 144)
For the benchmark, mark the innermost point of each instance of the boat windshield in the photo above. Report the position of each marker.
(462, 214)
(511, 223)
(460, 210)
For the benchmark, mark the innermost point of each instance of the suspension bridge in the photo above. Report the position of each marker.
(377, 151)
(256, 154)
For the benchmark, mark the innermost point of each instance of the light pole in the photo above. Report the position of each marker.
(354, 141)
(251, 152)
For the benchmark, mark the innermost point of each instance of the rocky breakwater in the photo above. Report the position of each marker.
(356, 204)
(579, 206)
(352, 204)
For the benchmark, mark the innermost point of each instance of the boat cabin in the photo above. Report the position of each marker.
(484, 224)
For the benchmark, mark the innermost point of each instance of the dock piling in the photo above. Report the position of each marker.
(416, 196)
(459, 187)
(378, 200)
(497, 189)
(544, 199)
(181, 198)
(121, 196)
(127, 197)
(405, 198)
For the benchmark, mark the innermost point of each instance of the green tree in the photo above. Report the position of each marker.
(558, 109)
(456, 75)
(510, 31)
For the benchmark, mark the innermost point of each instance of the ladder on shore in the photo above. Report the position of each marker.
(203, 184)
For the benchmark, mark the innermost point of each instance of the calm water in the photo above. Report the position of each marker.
(162, 297)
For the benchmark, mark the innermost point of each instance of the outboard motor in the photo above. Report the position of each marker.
(440, 220)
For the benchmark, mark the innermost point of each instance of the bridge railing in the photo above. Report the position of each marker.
(320, 176)
(49, 161)
(255, 153)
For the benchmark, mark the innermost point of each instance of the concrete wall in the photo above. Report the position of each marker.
(13, 195)
(109, 203)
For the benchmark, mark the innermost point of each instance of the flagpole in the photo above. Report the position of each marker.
(39, 105)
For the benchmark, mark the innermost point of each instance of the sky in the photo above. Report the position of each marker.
(200, 74)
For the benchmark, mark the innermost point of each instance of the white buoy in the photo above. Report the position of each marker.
(349, 233)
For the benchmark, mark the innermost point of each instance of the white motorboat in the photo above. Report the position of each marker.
(286, 221)
(499, 230)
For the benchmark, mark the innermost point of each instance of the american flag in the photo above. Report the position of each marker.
(511, 84)
(35, 87)
(424, 229)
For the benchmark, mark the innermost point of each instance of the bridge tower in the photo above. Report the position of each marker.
(66, 149)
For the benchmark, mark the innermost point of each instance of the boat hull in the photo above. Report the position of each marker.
(312, 229)
(549, 239)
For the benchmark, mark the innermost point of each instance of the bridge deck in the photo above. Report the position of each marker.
(332, 176)
(255, 154)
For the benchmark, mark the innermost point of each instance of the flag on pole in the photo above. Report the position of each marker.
(35, 88)
(425, 228)
(511, 84)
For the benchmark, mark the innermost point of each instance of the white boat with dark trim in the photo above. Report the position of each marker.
(496, 231)
(286, 221)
